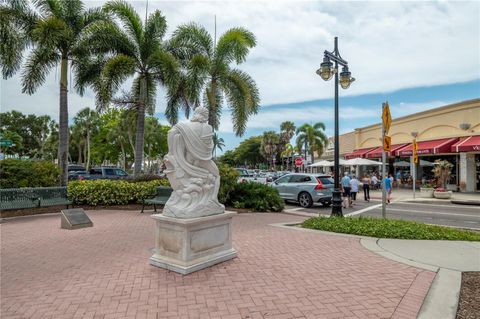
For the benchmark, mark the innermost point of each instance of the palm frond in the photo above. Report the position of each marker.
(87, 72)
(105, 36)
(318, 126)
(192, 39)
(38, 66)
(164, 67)
(234, 45)
(243, 98)
(155, 29)
(128, 16)
(51, 32)
(49, 7)
(116, 70)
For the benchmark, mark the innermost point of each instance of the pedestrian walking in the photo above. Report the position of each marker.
(366, 187)
(354, 188)
(345, 182)
(388, 187)
(374, 182)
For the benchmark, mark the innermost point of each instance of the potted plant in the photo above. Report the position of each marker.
(442, 171)
(426, 190)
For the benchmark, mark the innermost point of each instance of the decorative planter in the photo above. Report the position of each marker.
(443, 195)
(426, 192)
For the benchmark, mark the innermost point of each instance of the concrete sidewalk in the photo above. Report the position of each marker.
(448, 258)
(406, 195)
(103, 272)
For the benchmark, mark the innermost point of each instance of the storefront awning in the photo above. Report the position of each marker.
(429, 147)
(359, 153)
(467, 144)
(377, 153)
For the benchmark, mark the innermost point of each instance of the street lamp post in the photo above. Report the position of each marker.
(326, 72)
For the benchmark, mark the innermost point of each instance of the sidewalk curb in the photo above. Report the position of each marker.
(441, 300)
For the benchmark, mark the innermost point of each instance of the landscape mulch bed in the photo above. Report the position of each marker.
(57, 209)
(469, 302)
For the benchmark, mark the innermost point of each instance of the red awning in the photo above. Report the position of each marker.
(467, 144)
(429, 147)
(377, 153)
(359, 153)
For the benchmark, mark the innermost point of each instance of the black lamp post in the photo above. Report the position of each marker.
(326, 72)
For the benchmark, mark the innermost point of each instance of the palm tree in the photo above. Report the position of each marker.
(86, 122)
(288, 152)
(218, 142)
(313, 137)
(135, 50)
(269, 146)
(207, 68)
(287, 130)
(54, 29)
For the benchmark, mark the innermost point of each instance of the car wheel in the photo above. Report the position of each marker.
(305, 200)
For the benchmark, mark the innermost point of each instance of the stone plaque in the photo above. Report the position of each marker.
(75, 218)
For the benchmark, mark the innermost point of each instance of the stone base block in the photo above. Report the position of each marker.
(188, 245)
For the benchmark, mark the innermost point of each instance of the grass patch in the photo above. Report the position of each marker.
(386, 228)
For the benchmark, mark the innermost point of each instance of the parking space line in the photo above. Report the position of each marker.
(358, 212)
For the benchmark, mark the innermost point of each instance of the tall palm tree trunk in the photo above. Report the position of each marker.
(212, 105)
(88, 149)
(139, 139)
(63, 123)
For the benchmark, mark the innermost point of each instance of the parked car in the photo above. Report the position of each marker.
(107, 172)
(75, 168)
(305, 189)
(247, 175)
(78, 175)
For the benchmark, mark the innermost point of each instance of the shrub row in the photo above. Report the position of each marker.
(388, 228)
(255, 196)
(112, 192)
(15, 173)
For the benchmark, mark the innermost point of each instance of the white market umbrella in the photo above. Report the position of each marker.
(321, 164)
(401, 164)
(360, 161)
(426, 163)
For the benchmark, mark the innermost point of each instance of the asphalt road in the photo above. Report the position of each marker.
(447, 214)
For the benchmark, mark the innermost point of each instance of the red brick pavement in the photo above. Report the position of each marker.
(103, 272)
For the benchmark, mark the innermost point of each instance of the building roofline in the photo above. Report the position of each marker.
(445, 107)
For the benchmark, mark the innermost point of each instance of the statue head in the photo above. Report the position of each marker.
(200, 114)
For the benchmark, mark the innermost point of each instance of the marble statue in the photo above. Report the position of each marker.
(190, 169)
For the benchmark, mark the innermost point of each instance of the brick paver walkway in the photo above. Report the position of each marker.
(103, 272)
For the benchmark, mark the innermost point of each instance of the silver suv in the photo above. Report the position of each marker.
(305, 189)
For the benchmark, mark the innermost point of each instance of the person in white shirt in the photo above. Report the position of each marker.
(354, 188)
(374, 182)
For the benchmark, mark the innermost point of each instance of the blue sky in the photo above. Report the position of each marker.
(415, 54)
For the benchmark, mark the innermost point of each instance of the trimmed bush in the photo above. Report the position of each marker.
(111, 192)
(15, 173)
(389, 228)
(228, 181)
(255, 196)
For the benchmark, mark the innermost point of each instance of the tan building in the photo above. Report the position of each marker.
(450, 132)
(347, 145)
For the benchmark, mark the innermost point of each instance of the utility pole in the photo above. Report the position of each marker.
(384, 191)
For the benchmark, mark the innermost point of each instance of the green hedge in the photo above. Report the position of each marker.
(228, 181)
(15, 173)
(388, 228)
(112, 192)
(256, 196)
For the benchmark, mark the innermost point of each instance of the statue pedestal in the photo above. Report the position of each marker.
(188, 245)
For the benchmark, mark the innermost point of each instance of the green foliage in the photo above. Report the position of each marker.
(16, 173)
(228, 181)
(247, 152)
(29, 133)
(111, 192)
(256, 196)
(208, 70)
(386, 228)
(312, 137)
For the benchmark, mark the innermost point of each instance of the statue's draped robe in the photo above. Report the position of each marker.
(191, 171)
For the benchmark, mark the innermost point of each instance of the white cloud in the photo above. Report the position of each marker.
(389, 46)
